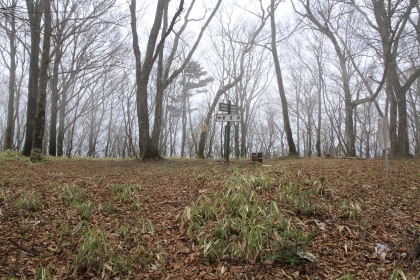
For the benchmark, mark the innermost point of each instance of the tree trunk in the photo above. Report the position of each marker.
(237, 147)
(184, 117)
(147, 149)
(222, 90)
(203, 134)
(285, 109)
(10, 127)
(34, 14)
(165, 79)
(244, 133)
(416, 118)
(403, 142)
(385, 16)
(109, 134)
(319, 117)
(52, 148)
(160, 87)
(39, 126)
(61, 124)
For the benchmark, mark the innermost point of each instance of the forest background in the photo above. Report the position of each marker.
(119, 78)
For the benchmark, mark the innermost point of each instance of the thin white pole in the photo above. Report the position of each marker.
(385, 131)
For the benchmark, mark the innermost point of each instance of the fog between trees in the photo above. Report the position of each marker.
(125, 78)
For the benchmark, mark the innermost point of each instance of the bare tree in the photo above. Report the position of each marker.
(147, 149)
(309, 72)
(390, 23)
(193, 78)
(282, 92)
(34, 9)
(234, 76)
(337, 21)
(249, 91)
(85, 40)
(39, 125)
(149, 145)
(10, 30)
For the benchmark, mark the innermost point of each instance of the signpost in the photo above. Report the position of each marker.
(224, 107)
(384, 141)
(231, 116)
(228, 118)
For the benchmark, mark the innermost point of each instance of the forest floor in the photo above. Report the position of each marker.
(125, 219)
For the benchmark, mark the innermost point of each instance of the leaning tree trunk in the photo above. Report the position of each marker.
(222, 90)
(203, 134)
(285, 109)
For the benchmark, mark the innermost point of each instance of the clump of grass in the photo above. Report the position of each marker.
(124, 192)
(77, 197)
(258, 183)
(300, 200)
(71, 192)
(398, 274)
(123, 230)
(110, 208)
(10, 155)
(102, 252)
(350, 210)
(146, 226)
(135, 206)
(237, 224)
(29, 200)
(347, 277)
(5, 182)
(85, 208)
(304, 204)
(4, 196)
(288, 192)
(94, 250)
(43, 274)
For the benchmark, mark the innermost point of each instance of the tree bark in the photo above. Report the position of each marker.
(61, 124)
(52, 147)
(34, 14)
(10, 126)
(319, 105)
(36, 152)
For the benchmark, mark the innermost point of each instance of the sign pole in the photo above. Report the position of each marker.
(384, 142)
(385, 131)
(229, 117)
(227, 135)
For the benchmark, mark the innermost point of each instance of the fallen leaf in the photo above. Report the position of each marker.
(320, 225)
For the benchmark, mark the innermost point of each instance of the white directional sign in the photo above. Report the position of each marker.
(224, 107)
(228, 117)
